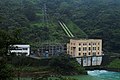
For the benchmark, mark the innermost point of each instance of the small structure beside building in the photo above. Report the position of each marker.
(19, 49)
(49, 50)
(88, 52)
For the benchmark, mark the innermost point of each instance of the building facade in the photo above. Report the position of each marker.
(19, 49)
(49, 50)
(80, 48)
(88, 52)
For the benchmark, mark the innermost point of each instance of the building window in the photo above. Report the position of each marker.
(84, 48)
(89, 53)
(98, 53)
(79, 54)
(89, 48)
(98, 48)
(79, 49)
(84, 54)
(25, 48)
(79, 44)
(89, 43)
(98, 43)
(94, 43)
(95, 48)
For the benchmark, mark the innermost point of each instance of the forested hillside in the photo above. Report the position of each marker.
(85, 19)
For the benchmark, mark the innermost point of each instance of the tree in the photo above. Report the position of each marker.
(4, 42)
(6, 72)
(29, 10)
(65, 65)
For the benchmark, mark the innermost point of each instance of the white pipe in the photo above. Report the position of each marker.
(64, 29)
(68, 30)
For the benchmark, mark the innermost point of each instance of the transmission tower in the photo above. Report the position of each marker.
(45, 19)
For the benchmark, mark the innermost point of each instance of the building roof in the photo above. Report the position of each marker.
(85, 39)
(20, 45)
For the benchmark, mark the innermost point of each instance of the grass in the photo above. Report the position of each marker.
(23, 79)
(77, 32)
(115, 64)
(32, 69)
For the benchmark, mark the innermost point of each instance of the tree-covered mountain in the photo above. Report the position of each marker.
(38, 20)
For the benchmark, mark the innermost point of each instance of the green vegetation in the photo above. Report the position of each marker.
(115, 64)
(5, 71)
(62, 65)
(21, 21)
(77, 32)
(84, 18)
(57, 66)
(55, 78)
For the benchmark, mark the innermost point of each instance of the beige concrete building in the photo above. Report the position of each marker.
(84, 47)
(87, 51)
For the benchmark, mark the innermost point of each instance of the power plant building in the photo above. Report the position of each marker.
(88, 52)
